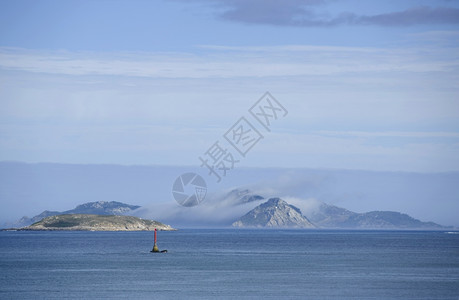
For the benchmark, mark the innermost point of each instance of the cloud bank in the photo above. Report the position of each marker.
(302, 13)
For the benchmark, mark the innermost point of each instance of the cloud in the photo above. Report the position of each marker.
(222, 207)
(403, 134)
(412, 16)
(217, 210)
(137, 103)
(268, 12)
(301, 13)
(231, 62)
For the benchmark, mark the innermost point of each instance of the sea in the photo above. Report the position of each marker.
(230, 264)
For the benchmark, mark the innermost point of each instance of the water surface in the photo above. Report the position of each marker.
(205, 264)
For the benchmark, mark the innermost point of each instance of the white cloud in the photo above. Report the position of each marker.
(367, 108)
(368, 134)
(228, 62)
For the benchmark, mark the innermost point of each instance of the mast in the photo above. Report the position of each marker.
(155, 248)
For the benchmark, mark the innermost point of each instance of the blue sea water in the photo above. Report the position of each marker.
(242, 264)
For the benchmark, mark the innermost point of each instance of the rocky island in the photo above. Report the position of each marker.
(90, 208)
(274, 213)
(90, 222)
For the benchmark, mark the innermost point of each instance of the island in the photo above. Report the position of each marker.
(90, 222)
(274, 213)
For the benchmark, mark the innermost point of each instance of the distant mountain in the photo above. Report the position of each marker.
(25, 221)
(96, 208)
(330, 216)
(91, 222)
(26, 186)
(387, 220)
(236, 203)
(243, 196)
(102, 208)
(278, 213)
(274, 213)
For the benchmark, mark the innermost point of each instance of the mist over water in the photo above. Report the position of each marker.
(29, 189)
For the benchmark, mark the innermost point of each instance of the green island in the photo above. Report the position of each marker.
(90, 222)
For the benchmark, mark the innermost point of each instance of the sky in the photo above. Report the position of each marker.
(370, 85)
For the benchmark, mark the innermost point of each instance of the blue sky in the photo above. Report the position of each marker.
(368, 85)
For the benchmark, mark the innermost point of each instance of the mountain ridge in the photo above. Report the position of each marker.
(30, 188)
(334, 217)
(328, 216)
(96, 208)
(323, 215)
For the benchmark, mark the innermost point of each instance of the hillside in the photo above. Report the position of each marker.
(274, 213)
(278, 213)
(28, 189)
(330, 216)
(94, 208)
(88, 222)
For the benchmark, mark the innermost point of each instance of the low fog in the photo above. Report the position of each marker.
(29, 189)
